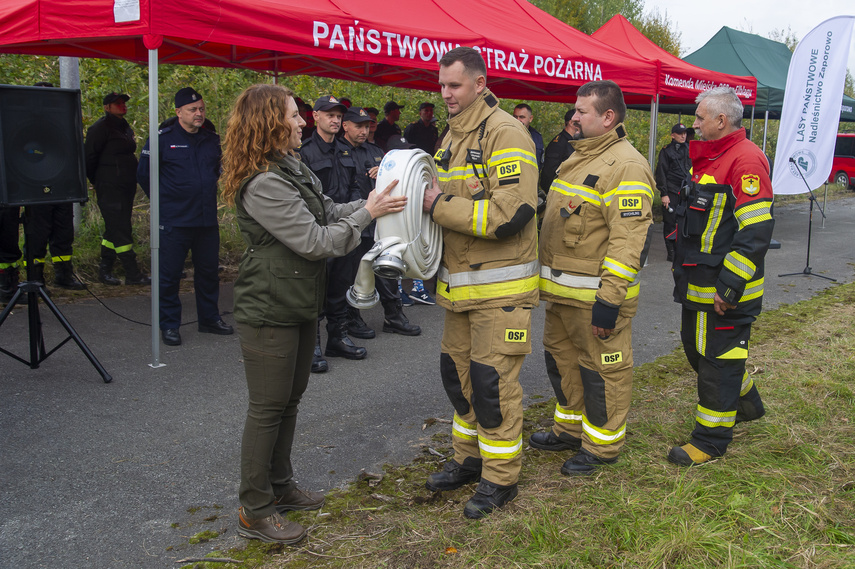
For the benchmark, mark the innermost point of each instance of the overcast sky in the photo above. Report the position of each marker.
(699, 21)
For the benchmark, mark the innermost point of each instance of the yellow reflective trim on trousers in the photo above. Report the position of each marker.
(568, 416)
(124, 248)
(4, 266)
(603, 436)
(753, 290)
(39, 261)
(107, 244)
(494, 290)
(701, 333)
(734, 354)
(752, 213)
(713, 222)
(479, 217)
(747, 384)
(586, 294)
(463, 430)
(740, 265)
(566, 189)
(713, 419)
(61, 259)
(511, 155)
(618, 269)
(499, 449)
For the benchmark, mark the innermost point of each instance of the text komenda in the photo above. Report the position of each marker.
(701, 85)
(356, 38)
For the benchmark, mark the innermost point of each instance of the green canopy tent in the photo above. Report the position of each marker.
(741, 53)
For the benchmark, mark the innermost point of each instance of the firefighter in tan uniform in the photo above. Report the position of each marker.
(592, 244)
(485, 200)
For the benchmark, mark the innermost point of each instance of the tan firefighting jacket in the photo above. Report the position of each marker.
(488, 176)
(595, 225)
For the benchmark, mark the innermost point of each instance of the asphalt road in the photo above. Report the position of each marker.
(111, 475)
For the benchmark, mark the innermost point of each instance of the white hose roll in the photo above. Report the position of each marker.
(422, 237)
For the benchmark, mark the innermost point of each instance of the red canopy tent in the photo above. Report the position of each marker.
(529, 54)
(677, 82)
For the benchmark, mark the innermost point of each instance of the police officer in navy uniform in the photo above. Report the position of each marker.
(557, 152)
(367, 156)
(388, 127)
(332, 161)
(189, 169)
(423, 132)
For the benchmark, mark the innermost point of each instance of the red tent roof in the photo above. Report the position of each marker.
(678, 82)
(530, 54)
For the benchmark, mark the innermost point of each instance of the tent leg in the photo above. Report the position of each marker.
(154, 215)
(765, 129)
(651, 141)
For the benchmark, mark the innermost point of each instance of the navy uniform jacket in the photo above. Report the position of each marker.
(423, 136)
(366, 156)
(111, 159)
(538, 145)
(189, 170)
(334, 165)
(556, 152)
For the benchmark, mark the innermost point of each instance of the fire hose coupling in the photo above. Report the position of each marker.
(408, 243)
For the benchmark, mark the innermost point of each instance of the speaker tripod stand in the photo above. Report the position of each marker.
(35, 291)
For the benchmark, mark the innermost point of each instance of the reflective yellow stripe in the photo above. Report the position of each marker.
(701, 294)
(479, 217)
(4, 266)
(455, 173)
(752, 290)
(488, 276)
(494, 290)
(628, 188)
(60, 259)
(602, 436)
(107, 244)
(499, 449)
(701, 333)
(510, 155)
(752, 213)
(463, 430)
(740, 265)
(747, 384)
(619, 269)
(566, 189)
(713, 222)
(39, 261)
(586, 294)
(124, 248)
(713, 419)
(735, 354)
(570, 416)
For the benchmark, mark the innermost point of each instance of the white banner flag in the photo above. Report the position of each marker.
(811, 110)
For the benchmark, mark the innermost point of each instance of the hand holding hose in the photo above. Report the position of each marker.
(431, 193)
(380, 203)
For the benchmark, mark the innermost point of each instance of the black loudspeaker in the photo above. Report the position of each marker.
(41, 146)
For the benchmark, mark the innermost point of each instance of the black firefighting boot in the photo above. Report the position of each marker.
(669, 248)
(395, 321)
(63, 276)
(9, 285)
(319, 364)
(488, 497)
(356, 326)
(339, 345)
(105, 272)
(133, 275)
(454, 475)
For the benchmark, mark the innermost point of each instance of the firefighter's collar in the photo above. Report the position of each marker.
(598, 144)
(712, 149)
(471, 117)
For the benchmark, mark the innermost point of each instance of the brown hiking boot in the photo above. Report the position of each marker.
(296, 499)
(272, 529)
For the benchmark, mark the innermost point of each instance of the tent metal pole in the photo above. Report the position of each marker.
(651, 139)
(69, 78)
(154, 214)
(751, 130)
(765, 128)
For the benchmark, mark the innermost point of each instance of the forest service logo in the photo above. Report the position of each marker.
(803, 160)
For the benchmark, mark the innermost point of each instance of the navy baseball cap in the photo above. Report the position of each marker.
(328, 103)
(356, 115)
(111, 98)
(678, 128)
(391, 106)
(399, 143)
(186, 96)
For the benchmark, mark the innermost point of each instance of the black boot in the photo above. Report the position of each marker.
(339, 345)
(133, 275)
(319, 364)
(38, 275)
(105, 272)
(454, 475)
(63, 276)
(395, 321)
(356, 326)
(488, 497)
(9, 285)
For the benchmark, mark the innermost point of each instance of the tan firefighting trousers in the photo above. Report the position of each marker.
(482, 354)
(592, 378)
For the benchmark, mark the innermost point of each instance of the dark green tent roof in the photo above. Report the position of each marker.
(741, 53)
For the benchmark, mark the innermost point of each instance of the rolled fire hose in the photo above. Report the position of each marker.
(407, 243)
